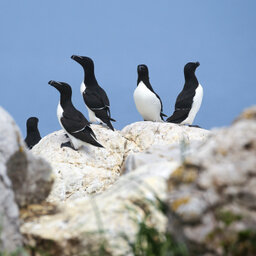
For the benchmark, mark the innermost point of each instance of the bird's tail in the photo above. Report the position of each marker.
(91, 138)
(162, 116)
(108, 123)
(94, 142)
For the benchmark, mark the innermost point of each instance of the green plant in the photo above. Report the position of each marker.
(228, 217)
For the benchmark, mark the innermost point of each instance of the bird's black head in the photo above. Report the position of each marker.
(86, 62)
(62, 87)
(191, 67)
(142, 71)
(32, 123)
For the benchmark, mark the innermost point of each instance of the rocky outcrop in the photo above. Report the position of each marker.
(86, 171)
(93, 170)
(205, 183)
(141, 136)
(24, 179)
(109, 219)
(212, 195)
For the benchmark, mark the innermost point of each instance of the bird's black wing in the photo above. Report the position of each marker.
(74, 122)
(99, 104)
(77, 125)
(183, 105)
(185, 99)
(162, 114)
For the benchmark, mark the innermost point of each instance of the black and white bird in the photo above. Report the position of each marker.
(147, 102)
(73, 121)
(94, 96)
(190, 98)
(33, 134)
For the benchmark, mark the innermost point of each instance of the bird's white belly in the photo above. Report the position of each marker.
(147, 104)
(92, 117)
(195, 105)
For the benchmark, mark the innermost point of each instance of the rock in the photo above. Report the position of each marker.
(86, 171)
(29, 177)
(214, 211)
(93, 170)
(174, 152)
(83, 224)
(142, 135)
(10, 237)
(247, 114)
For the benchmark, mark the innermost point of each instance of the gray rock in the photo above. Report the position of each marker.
(10, 237)
(24, 179)
(219, 200)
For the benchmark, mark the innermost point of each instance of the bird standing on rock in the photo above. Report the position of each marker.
(33, 134)
(94, 96)
(73, 121)
(190, 98)
(147, 102)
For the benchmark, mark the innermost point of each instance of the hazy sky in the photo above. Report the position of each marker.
(38, 37)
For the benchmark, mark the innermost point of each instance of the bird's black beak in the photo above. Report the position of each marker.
(76, 58)
(197, 64)
(54, 84)
(51, 82)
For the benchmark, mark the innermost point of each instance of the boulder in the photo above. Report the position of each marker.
(85, 171)
(10, 237)
(141, 136)
(212, 195)
(24, 179)
(109, 219)
(93, 170)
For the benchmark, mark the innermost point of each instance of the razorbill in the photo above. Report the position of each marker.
(190, 98)
(33, 134)
(147, 102)
(95, 97)
(72, 121)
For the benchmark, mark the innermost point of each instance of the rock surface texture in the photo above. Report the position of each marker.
(93, 170)
(24, 179)
(196, 185)
(212, 195)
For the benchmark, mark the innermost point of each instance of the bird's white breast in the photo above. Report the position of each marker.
(82, 88)
(147, 103)
(197, 100)
(59, 113)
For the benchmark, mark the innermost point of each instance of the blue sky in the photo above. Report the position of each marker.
(38, 38)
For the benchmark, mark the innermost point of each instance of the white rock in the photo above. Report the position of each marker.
(87, 170)
(143, 135)
(117, 211)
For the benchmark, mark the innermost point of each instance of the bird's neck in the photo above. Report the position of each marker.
(145, 80)
(190, 80)
(89, 78)
(32, 129)
(65, 100)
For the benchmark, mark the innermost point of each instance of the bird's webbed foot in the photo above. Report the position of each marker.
(68, 145)
(196, 126)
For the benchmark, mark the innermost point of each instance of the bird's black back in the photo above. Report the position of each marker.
(33, 134)
(184, 100)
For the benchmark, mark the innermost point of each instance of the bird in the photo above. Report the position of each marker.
(73, 121)
(33, 134)
(95, 98)
(190, 98)
(147, 102)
